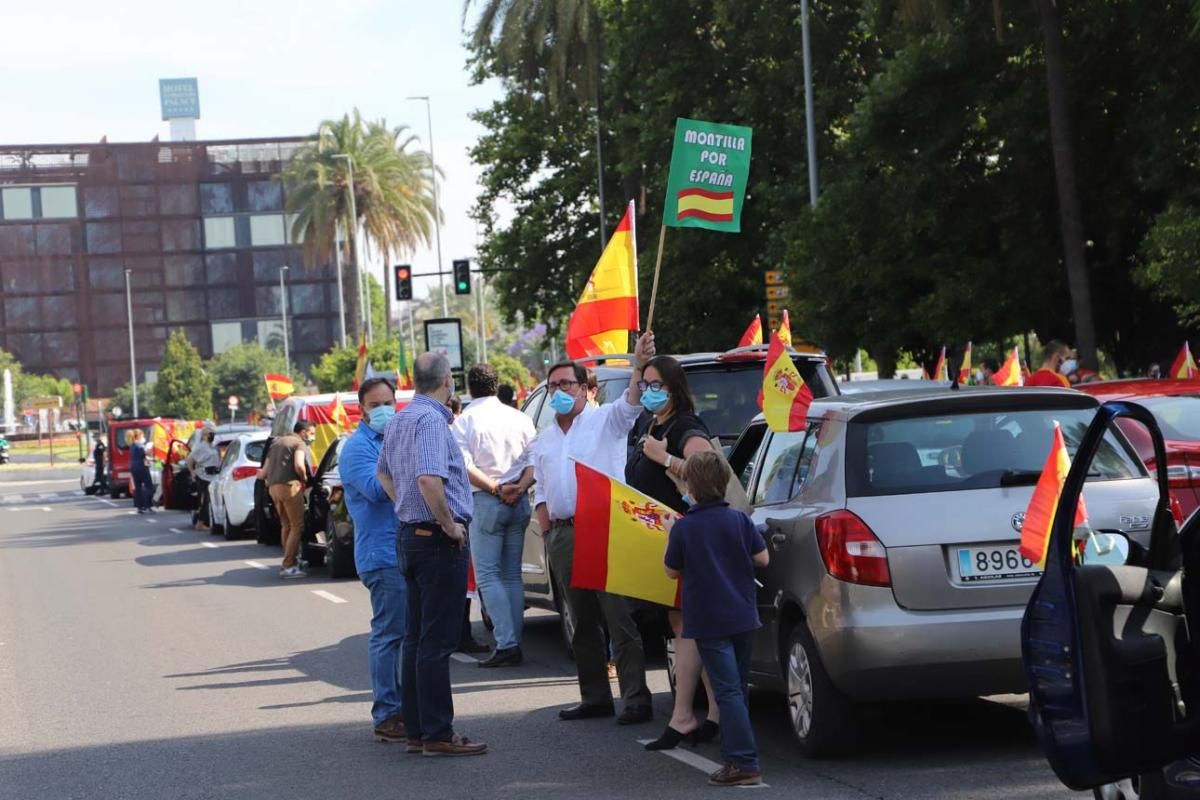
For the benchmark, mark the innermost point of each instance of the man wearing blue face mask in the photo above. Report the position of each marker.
(595, 436)
(375, 557)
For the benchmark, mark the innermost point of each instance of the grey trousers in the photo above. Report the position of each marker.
(592, 611)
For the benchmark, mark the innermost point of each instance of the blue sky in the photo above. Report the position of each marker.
(265, 68)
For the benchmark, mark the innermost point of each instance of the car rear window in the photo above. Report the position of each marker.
(121, 433)
(254, 450)
(1178, 417)
(971, 451)
(727, 395)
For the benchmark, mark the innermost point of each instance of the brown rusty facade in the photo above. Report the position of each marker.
(202, 229)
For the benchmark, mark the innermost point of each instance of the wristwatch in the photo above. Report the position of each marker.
(496, 491)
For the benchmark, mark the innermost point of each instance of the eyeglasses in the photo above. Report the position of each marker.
(657, 386)
(566, 386)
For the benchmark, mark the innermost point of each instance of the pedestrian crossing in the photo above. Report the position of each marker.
(39, 497)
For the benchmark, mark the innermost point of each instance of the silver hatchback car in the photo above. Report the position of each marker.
(894, 524)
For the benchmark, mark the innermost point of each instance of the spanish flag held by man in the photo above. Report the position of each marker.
(608, 308)
(1039, 516)
(785, 396)
(360, 367)
(1184, 366)
(279, 386)
(964, 372)
(754, 333)
(1010, 373)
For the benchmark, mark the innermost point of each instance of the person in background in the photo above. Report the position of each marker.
(139, 470)
(455, 406)
(99, 460)
(493, 438)
(593, 389)
(1057, 364)
(598, 438)
(286, 470)
(422, 470)
(714, 549)
(507, 395)
(1155, 371)
(984, 376)
(375, 553)
(203, 463)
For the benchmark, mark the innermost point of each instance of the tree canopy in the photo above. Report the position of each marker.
(184, 388)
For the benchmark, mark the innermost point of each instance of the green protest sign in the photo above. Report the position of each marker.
(707, 183)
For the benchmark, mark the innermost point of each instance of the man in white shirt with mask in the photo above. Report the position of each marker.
(597, 437)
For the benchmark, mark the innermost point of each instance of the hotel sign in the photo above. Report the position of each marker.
(180, 98)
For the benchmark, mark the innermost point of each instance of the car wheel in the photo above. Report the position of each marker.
(823, 718)
(339, 556)
(232, 531)
(114, 492)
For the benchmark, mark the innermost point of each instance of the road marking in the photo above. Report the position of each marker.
(45, 508)
(107, 502)
(333, 598)
(696, 761)
(256, 565)
(208, 544)
(463, 658)
(177, 530)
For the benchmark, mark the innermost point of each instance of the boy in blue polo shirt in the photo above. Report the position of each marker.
(715, 549)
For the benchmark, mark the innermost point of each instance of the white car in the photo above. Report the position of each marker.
(231, 492)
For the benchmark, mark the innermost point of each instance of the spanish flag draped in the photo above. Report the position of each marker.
(940, 371)
(331, 421)
(279, 386)
(608, 308)
(785, 396)
(964, 372)
(1184, 366)
(753, 334)
(1010, 372)
(360, 366)
(1039, 516)
(620, 540)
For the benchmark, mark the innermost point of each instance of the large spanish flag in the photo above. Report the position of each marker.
(785, 396)
(620, 540)
(1010, 372)
(964, 372)
(706, 205)
(1184, 366)
(279, 386)
(753, 334)
(1039, 516)
(608, 307)
(331, 421)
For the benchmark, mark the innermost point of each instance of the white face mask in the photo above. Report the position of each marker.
(1068, 366)
(979, 376)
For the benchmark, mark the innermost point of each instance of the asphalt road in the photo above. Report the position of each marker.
(141, 659)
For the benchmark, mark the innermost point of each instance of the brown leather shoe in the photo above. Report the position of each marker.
(733, 775)
(458, 746)
(391, 730)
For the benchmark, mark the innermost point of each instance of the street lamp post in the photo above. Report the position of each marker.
(287, 361)
(132, 360)
(437, 211)
(809, 122)
(364, 299)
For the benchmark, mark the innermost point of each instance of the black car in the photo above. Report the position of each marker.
(328, 536)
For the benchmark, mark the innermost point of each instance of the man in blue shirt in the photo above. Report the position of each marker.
(375, 552)
(422, 470)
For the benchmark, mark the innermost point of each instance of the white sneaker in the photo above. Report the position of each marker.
(292, 572)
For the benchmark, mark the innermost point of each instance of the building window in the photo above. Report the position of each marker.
(58, 202)
(266, 230)
(219, 232)
(216, 198)
(264, 196)
(225, 336)
(18, 202)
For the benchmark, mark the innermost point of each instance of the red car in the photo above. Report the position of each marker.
(1176, 407)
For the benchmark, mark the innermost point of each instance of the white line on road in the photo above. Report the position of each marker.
(107, 502)
(333, 598)
(208, 544)
(256, 565)
(176, 530)
(45, 508)
(696, 761)
(463, 658)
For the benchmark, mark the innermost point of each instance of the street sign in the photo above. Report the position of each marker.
(774, 277)
(445, 336)
(233, 401)
(116, 411)
(775, 309)
(43, 402)
(777, 292)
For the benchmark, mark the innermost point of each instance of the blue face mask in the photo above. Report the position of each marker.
(653, 400)
(379, 417)
(561, 402)
(687, 498)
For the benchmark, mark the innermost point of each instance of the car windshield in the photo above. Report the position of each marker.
(1178, 417)
(971, 451)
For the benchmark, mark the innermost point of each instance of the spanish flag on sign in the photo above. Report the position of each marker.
(706, 205)
(1039, 516)
(620, 540)
(608, 307)
(279, 386)
(785, 396)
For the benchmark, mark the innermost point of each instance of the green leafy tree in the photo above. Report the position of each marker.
(393, 195)
(184, 388)
(1171, 253)
(239, 372)
(122, 398)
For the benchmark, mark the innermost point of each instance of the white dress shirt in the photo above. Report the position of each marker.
(598, 437)
(493, 438)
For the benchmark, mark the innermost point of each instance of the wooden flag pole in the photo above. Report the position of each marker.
(662, 235)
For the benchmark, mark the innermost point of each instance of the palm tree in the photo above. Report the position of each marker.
(393, 195)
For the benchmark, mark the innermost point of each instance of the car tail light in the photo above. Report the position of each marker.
(242, 473)
(1176, 510)
(851, 551)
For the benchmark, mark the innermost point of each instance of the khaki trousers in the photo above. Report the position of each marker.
(289, 505)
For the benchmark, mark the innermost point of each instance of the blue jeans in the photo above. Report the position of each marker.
(435, 575)
(727, 660)
(497, 540)
(387, 589)
(143, 488)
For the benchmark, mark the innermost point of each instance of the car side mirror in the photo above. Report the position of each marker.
(1105, 548)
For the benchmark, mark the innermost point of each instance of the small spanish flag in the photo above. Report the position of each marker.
(785, 396)
(279, 386)
(706, 205)
(360, 366)
(940, 370)
(1039, 516)
(1010, 373)
(964, 372)
(1184, 366)
(608, 307)
(753, 334)
(785, 330)
(620, 540)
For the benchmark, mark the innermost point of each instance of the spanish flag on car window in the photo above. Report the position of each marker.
(785, 330)
(785, 396)
(620, 540)
(608, 308)
(753, 334)
(1010, 372)
(1184, 366)
(964, 372)
(279, 386)
(1039, 516)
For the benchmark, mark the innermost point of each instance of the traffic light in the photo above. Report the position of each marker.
(462, 276)
(403, 281)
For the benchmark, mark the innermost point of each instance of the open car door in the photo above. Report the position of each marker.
(1111, 666)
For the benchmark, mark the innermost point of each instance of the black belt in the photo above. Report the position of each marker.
(562, 523)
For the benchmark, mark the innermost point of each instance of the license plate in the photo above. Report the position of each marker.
(994, 563)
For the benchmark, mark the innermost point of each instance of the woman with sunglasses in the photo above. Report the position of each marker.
(666, 434)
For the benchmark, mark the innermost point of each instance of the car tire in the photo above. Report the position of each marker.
(266, 529)
(217, 529)
(114, 492)
(823, 719)
(339, 557)
(232, 532)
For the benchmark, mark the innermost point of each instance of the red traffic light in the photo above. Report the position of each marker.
(404, 276)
